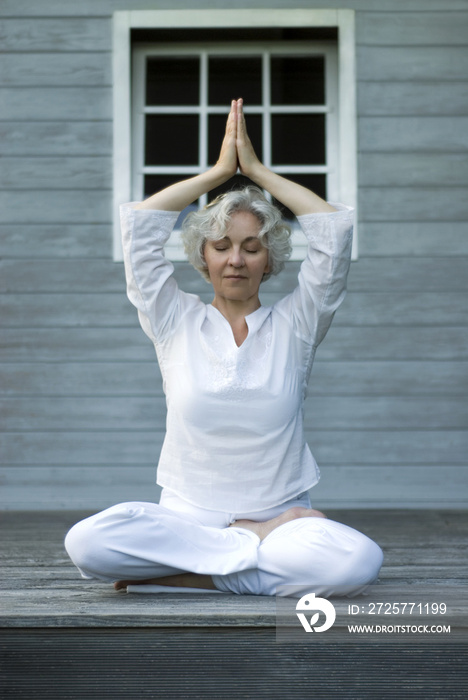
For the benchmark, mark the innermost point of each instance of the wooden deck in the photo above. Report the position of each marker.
(63, 637)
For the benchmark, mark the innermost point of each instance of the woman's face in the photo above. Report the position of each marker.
(236, 263)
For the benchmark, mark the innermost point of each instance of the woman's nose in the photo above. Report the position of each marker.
(236, 258)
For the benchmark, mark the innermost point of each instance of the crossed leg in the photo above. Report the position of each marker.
(141, 541)
(262, 529)
(147, 543)
(308, 554)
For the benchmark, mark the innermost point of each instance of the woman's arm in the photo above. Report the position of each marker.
(298, 199)
(322, 278)
(181, 194)
(146, 226)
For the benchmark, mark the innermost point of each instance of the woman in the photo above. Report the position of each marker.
(234, 514)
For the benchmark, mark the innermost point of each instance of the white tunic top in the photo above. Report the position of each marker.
(235, 437)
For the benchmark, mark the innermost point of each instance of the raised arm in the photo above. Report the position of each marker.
(181, 194)
(146, 226)
(322, 278)
(298, 199)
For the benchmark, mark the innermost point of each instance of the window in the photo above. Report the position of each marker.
(181, 98)
(170, 110)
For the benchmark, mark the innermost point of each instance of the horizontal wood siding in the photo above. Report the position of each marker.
(413, 119)
(81, 405)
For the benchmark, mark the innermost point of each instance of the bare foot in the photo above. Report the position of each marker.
(264, 529)
(184, 580)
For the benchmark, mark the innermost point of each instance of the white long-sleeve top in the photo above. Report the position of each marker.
(234, 433)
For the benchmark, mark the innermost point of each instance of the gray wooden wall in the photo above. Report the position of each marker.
(82, 413)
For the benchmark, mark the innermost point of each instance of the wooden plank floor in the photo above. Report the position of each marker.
(65, 638)
(41, 587)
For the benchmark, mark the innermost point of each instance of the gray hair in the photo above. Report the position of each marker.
(211, 223)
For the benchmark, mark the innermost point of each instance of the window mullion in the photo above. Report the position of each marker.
(306, 169)
(203, 124)
(266, 100)
(266, 121)
(300, 109)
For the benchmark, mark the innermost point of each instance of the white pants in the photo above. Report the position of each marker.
(135, 541)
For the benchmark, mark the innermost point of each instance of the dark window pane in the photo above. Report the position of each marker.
(298, 139)
(217, 128)
(172, 81)
(297, 80)
(230, 78)
(235, 183)
(315, 182)
(171, 139)
(155, 183)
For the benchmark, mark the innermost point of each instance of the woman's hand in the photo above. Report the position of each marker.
(227, 162)
(249, 163)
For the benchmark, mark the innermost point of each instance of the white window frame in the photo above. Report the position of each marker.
(264, 50)
(342, 137)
